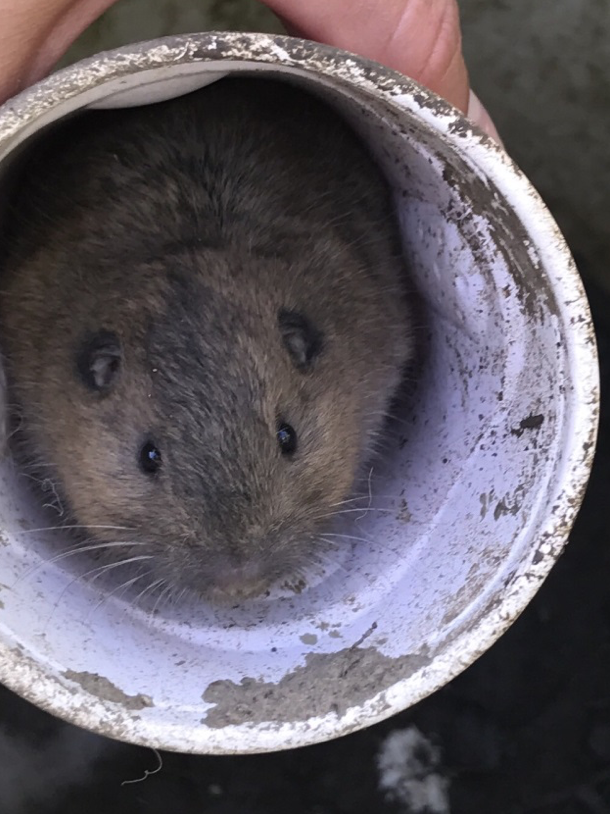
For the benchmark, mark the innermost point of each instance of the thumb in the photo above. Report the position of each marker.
(419, 38)
(35, 33)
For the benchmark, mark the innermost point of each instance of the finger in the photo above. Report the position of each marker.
(478, 114)
(34, 34)
(420, 38)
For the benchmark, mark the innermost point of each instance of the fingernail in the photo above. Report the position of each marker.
(477, 113)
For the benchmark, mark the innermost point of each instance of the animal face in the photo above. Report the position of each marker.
(220, 431)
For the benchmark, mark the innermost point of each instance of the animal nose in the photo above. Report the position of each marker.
(239, 581)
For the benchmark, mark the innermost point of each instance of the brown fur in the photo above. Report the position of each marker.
(184, 228)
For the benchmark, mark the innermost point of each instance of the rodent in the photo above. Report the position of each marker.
(204, 313)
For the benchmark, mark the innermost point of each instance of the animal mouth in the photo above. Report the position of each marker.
(231, 582)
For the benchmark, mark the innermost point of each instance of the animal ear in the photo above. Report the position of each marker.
(99, 360)
(301, 338)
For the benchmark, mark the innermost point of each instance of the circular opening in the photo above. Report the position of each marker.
(458, 508)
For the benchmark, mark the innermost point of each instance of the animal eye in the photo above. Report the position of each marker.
(150, 458)
(286, 438)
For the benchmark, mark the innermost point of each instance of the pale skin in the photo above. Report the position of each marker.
(420, 38)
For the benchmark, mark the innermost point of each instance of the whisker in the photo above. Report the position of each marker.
(72, 551)
(181, 595)
(346, 501)
(167, 589)
(103, 569)
(346, 537)
(76, 579)
(61, 527)
(124, 586)
(169, 599)
(152, 586)
(360, 510)
(79, 549)
(377, 495)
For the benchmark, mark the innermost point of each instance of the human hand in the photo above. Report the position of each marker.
(420, 38)
(34, 34)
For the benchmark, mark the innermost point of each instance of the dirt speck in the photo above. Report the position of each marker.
(404, 515)
(532, 422)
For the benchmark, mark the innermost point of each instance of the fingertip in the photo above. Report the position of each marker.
(477, 113)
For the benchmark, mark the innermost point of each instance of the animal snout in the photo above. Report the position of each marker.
(238, 580)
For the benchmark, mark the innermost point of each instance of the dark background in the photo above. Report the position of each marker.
(526, 728)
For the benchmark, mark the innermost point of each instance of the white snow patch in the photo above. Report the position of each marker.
(408, 773)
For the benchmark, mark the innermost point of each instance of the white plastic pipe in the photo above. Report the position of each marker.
(482, 481)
